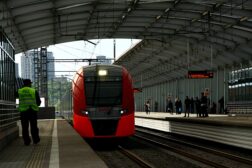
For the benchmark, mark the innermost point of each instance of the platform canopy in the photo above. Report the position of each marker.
(177, 35)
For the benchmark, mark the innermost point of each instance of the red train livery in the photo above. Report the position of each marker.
(103, 102)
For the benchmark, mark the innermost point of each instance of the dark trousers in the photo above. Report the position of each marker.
(203, 111)
(29, 117)
(187, 110)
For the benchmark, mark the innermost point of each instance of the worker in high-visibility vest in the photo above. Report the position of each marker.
(29, 102)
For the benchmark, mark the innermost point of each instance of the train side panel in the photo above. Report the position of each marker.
(79, 103)
(126, 125)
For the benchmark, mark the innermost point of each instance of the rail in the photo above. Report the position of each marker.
(135, 158)
(236, 133)
(8, 114)
(183, 153)
(200, 147)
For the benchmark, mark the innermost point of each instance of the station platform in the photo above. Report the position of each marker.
(222, 119)
(60, 147)
(230, 130)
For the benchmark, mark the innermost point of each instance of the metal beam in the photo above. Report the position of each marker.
(20, 37)
(123, 18)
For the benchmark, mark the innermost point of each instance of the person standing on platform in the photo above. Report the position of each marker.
(221, 102)
(167, 104)
(147, 107)
(213, 108)
(29, 102)
(197, 104)
(203, 105)
(176, 105)
(187, 106)
(169, 107)
(191, 105)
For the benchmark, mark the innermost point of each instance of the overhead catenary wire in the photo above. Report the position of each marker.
(66, 65)
(78, 49)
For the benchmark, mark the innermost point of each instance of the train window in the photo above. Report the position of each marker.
(103, 93)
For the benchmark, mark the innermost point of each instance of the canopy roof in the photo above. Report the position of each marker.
(177, 34)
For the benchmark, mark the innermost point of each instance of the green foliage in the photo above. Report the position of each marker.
(59, 91)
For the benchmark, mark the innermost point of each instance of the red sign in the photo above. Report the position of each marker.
(200, 74)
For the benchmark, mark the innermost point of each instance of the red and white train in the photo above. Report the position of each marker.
(103, 102)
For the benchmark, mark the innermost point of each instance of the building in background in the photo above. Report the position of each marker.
(102, 60)
(27, 65)
(50, 66)
(16, 70)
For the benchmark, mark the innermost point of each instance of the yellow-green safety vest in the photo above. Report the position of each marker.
(27, 99)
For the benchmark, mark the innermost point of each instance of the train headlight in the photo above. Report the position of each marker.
(102, 72)
(85, 112)
(123, 111)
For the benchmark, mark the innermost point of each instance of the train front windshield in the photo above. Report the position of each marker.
(103, 91)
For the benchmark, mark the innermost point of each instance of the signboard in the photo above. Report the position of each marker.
(199, 74)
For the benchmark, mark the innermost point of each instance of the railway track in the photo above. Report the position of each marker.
(246, 162)
(115, 155)
(150, 150)
(135, 158)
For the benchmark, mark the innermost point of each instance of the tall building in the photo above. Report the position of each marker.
(50, 66)
(27, 65)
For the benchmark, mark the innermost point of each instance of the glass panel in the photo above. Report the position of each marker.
(8, 110)
(103, 93)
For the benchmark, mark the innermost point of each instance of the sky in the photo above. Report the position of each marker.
(83, 50)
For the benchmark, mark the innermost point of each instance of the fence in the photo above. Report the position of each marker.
(240, 108)
(8, 115)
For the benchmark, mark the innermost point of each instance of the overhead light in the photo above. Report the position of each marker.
(158, 17)
(72, 6)
(243, 18)
(176, 2)
(194, 20)
(217, 5)
(166, 10)
(102, 72)
(204, 13)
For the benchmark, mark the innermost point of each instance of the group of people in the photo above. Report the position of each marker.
(190, 105)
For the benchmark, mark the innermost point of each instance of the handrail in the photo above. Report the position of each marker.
(10, 103)
(239, 108)
(8, 114)
(240, 103)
